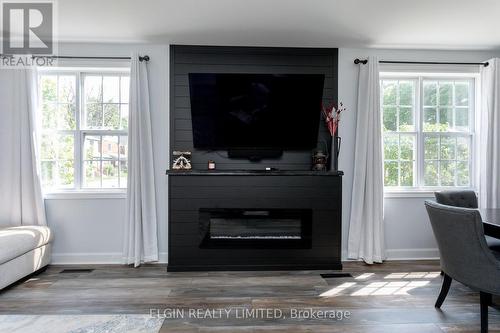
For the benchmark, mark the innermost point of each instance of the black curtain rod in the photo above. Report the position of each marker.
(141, 58)
(365, 61)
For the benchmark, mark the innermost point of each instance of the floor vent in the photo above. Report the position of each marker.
(76, 270)
(335, 275)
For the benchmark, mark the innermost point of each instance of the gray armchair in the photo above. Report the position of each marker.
(465, 256)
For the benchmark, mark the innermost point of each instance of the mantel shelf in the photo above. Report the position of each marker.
(252, 173)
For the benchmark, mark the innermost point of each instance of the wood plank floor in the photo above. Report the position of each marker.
(392, 297)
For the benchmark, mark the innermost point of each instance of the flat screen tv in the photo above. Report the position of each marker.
(255, 112)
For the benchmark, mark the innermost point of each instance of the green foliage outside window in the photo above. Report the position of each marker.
(445, 132)
(104, 107)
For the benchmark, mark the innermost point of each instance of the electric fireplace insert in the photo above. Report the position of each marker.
(255, 228)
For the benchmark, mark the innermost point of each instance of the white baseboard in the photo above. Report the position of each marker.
(116, 257)
(412, 254)
(95, 258)
(405, 254)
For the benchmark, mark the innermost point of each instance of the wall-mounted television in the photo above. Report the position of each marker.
(255, 112)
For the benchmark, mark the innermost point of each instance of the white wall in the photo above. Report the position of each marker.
(90, 230)
(407, 229)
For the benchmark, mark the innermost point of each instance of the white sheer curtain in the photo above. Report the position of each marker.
(141, 240)
(489, 128)
(21, 201)
(366, 229)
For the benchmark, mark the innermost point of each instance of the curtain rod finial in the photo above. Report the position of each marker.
(358, 61)
(486, 64)
(144, 58)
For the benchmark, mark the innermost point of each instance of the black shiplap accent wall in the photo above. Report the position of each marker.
(221, 59)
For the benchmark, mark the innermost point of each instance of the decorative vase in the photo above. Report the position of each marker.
(336, 142)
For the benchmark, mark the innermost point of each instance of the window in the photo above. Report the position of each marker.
(428, 130)
(84, 127)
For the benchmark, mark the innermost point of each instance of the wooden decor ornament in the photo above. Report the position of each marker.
(182, 160)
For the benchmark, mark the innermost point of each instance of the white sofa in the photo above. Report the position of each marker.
(23, 250)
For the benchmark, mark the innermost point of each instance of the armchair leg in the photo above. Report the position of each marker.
(444, 290)
(485, 300)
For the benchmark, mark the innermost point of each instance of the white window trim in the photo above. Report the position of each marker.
(410, 73)
(83, 194)
(78, 192)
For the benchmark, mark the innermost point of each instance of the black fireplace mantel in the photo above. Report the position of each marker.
(310, 193)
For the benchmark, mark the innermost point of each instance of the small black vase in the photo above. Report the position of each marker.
(336, 142)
